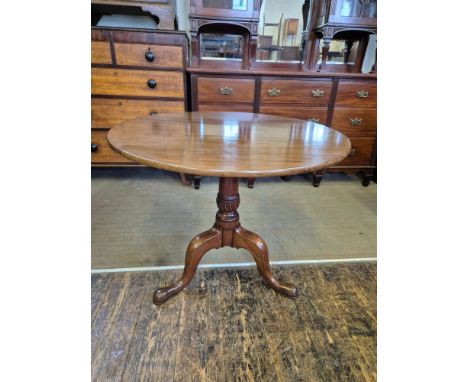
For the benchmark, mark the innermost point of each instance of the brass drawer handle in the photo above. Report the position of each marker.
(225, 90)
(314, 120)
(274, 92)
(353, 152)
(355, 121)
(317, 93)
(362, 93)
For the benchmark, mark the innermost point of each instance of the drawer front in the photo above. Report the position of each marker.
(108, 81)
(361, 152)
(106, 113)
(100, 52)
(317, 114)
(225, 89)
(241, 107)
(356, 94)
(313, 93)
(104, 153)
(148, 55)
(349, 119)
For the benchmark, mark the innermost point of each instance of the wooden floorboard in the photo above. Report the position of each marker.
(228, 326)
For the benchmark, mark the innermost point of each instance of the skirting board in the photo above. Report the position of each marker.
(232, 265)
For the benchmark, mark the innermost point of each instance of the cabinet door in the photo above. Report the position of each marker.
(225, 8)
(355, 12)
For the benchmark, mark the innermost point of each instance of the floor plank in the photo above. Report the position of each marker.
(228, 326)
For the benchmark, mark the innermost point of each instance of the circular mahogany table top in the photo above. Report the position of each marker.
(229, 144)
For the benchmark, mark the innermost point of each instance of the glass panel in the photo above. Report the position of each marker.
(281, 31)
(221, 46)
(369, 9)
(238, 5)
(351, 8)
(339, 51)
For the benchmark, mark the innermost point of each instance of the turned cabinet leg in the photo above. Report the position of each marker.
(317, 178)
(196, 182)
(366, 177)
(185, 179)
(347, 52)
(250, 182)
(325, 49)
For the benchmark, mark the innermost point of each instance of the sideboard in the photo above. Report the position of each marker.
(344, 101)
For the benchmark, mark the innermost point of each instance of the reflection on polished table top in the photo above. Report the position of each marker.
(229, 144)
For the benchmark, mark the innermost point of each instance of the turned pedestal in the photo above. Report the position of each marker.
(226, 231)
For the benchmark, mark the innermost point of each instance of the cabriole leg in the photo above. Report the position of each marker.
(226, 231)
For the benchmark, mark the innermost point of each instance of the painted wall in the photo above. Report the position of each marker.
(271, 12)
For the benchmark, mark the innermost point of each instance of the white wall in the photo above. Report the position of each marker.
(369, 58)
(271, 12)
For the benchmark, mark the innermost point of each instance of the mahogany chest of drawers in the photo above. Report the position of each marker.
(345, 102)
(133, 73)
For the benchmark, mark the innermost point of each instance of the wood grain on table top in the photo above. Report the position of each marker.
(229, 144)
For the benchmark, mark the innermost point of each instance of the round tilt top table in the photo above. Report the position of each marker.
(229, 146)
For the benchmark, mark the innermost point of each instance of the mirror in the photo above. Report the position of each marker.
(281, 30)
(341, 52)
(220, 46)
(237, 5)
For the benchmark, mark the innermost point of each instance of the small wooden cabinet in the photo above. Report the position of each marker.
(133, 73)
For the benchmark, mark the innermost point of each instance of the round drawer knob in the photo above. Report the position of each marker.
(152, 84)
(153, 112)
(149, 56)
(94, 147)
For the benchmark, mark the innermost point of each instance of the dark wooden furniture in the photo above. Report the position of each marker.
(162, 11)
(224, 17)
(345, 102)
(351, 21)
(294, 85)
(133, 73)
(229, 146)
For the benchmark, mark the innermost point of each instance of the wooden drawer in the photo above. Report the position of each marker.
(109, 81)
(225, 89)
(141, 54)
(349, 119)
(361, 152)
(241, 107)
(356, 94)
(319, 114)
(104, 153)
(100, 52)
(105, 113)
(313, 93)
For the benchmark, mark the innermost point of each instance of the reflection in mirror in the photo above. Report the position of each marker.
(359, 8)
(237, 5)
(282, 30)
(341, 52)
(221, 46)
